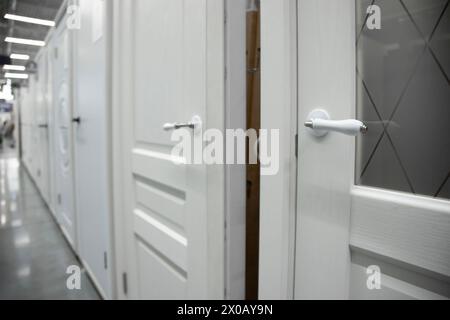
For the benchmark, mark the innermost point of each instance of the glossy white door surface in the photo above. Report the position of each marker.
(92, 143)
(163, 77)
(63, 132)
(350, 224)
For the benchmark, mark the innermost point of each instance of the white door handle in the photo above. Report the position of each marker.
(320, 124)
(195, 123)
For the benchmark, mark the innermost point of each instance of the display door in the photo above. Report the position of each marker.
(63, 133)
(91, 141)
(43, 168)
(164, 77)
(373, 212)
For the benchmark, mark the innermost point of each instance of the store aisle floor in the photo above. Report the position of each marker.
(34, 255)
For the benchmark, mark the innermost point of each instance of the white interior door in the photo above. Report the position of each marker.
(51, 129)
(43, 172)
(163, 80)
(63, 132)
(92, 141)
(382, 203)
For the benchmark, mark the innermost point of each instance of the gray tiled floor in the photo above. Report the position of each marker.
(33, 253)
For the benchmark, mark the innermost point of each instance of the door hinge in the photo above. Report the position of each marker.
(124, 283)
(105, 259)
(59, 198)
(296, 145)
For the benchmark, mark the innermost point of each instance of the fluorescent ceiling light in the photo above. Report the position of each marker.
(30, 20)
(16, 75)
(13, 67)
(25, 41)
(19, 56)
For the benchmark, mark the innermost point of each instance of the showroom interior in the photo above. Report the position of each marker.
(343, 106)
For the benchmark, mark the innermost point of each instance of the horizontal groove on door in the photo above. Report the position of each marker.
(162, 190)
(155, 270)
(416, 232)
(399, 272)
(161, 203)
(163, 259)
(162, 219)
(161, 167)
(170, 243)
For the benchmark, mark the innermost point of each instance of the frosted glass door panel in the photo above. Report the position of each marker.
(403, 94)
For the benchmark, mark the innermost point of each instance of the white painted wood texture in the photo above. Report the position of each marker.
(397, 282)
(325, 165)
(405, 227)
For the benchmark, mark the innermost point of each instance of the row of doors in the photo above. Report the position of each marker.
(321, 225)
(47, 133)
(164, 222)
(64, 141)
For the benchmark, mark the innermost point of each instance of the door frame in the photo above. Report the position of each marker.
(215, 119)
(279, 111)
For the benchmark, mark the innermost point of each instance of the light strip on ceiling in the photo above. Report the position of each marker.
(17, 56)
(25, 41)
(16, 75)
(43, 22)
(13, 67)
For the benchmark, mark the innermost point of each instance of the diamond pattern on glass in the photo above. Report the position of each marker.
(403, 94)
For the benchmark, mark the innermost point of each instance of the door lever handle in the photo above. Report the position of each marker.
(195, 124)
(320, 124)
(44, 126)
(76, 120)
(177, 125)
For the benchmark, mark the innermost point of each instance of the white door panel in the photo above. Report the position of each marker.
(324, 163)
(51, 129)
(170, 280)
(160, 21)
(368, 204)
(42, 125)
(63, 133)
(165, 203)
(380, 202)
(91, 150)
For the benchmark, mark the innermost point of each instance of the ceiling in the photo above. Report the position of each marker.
(42, 9)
